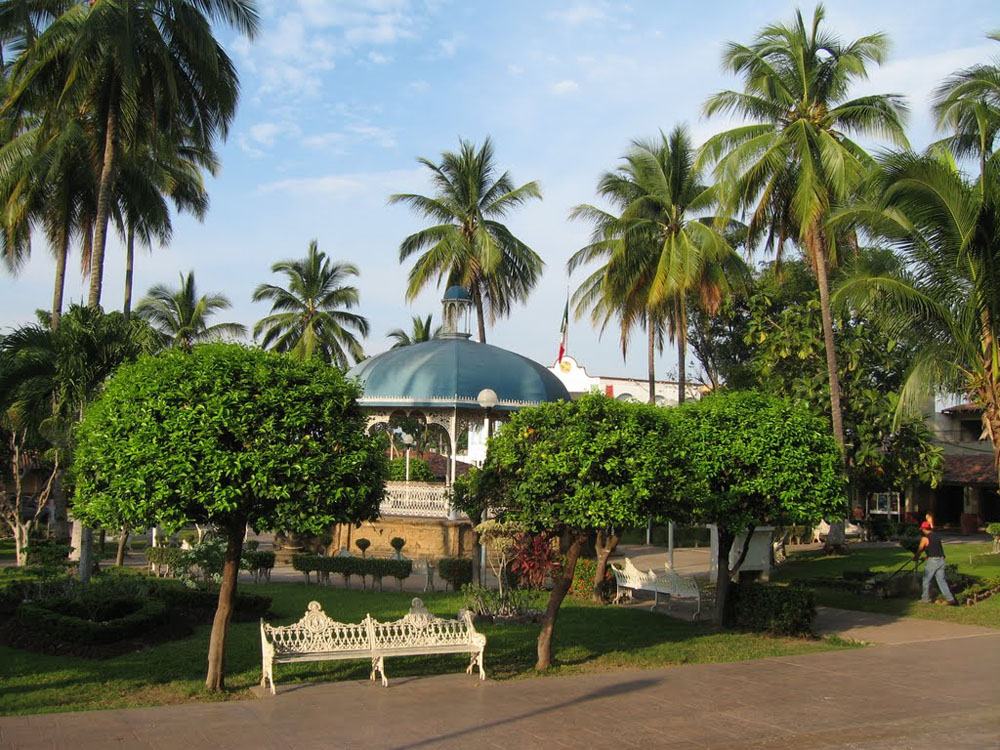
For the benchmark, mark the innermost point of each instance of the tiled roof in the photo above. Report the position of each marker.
(977, 470)
(440, 464)
(963, 409)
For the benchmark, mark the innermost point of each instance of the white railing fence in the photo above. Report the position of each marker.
(421, 499)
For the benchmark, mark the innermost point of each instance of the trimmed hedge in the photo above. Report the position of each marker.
(455, 570)
(376, 567)
(164, 556)
(199, 603)
(772, 609)
(57, 626)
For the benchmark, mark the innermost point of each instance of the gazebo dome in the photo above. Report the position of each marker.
(450, 371)
(455, 293)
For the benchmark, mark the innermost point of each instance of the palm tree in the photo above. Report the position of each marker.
(148, 176)
(947, 228)
(797, 161)
(968, 104)
(181, 316)
(468, 245)
(135, 68)
(421, 331)
(310, 317)
(657, 251)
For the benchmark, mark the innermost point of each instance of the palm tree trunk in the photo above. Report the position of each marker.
(682, 354)
(57, 294)
(835, 536)
(480, 319)
(129, 261)
(651, 356)
(104, 202)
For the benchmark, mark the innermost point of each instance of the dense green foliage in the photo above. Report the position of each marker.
(457, 571)
(420, 470)
(772, 609)
(376, 567)
(227, 435)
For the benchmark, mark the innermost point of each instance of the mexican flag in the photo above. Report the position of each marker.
(563, 332)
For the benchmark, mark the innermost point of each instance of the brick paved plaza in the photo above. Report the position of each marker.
(923, 686)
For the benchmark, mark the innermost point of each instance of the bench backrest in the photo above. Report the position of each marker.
(420, 628)
(317, 633)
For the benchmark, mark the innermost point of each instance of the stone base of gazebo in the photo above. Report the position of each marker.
(426, 538)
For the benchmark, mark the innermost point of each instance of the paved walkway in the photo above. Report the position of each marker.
(936, 688)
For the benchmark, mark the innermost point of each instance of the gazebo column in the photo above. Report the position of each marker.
(453, 435)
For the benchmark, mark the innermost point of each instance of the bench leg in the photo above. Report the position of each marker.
(378, 665)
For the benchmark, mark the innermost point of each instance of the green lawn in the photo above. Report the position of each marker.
(972, 559)
(588, 638)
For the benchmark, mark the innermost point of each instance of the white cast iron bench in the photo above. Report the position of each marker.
(629, 578)
(317, 637)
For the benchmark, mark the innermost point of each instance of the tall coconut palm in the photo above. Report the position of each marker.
(181, 316)
(469, 245)
(420, 331)
(659, 249)
(135, 68)
(310, 317)
(796, 160)
(968, 104)
(150, 174)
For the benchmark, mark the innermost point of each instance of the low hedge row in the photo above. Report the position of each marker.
(376, 567)
(455, 570)
(976, 592)
(772, 609)
(201, 602)
(57, 626)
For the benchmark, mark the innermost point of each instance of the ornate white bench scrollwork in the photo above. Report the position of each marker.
(316, 637)
(629, 578)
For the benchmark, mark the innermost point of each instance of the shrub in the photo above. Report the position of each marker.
(909, 539)
(978, 591)
(420, 470)
(772, 609)
(56, 626)
(363, 545)
(48, 557)
(491, 603)
(200, 604)
(166, 557)
(258, 563)
(993, 530)
(583, 579)
(535, 559)
(397, 543)
(455, 570)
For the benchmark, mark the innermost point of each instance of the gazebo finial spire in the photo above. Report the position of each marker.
(457, 307)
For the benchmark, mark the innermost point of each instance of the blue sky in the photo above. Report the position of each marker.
(341, 96)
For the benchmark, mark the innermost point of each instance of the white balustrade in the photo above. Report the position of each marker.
(416, 499)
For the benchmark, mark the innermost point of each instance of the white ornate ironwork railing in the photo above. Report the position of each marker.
(416, 499)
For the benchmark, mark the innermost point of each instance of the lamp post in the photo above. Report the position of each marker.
(408, 442)
(487, 399)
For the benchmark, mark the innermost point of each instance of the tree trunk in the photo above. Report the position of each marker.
(477, 572)
(216, 678)
(722, 574)
(835, 536)
(21, 532)
(105, 188)
(481, 320)
(607, 543)
(86, 563)
(682, 355)
(651, 359)
(129, 261)
(60, 284)
(122, 542)
(558, 593)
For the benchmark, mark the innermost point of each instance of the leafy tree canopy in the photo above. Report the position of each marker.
(228, 436)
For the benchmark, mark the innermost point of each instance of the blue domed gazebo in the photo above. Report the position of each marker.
(448, 381)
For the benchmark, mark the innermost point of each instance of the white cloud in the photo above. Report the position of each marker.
(378, 58)
(381, 136)
(515, 70)
(446, 48)
(564, 87)
(579, 14)
(330, 185)
(362, 186)
(418, 85)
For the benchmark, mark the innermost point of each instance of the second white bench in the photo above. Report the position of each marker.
(629, 578)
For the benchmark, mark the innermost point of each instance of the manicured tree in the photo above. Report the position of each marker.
(752, 459)
(227, 436)
(576, 468)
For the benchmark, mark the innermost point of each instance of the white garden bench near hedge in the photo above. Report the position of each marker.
(629, 578)
(317, 637)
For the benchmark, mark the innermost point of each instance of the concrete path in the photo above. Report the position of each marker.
(929, 694)
(870, 627)
(859, 699)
